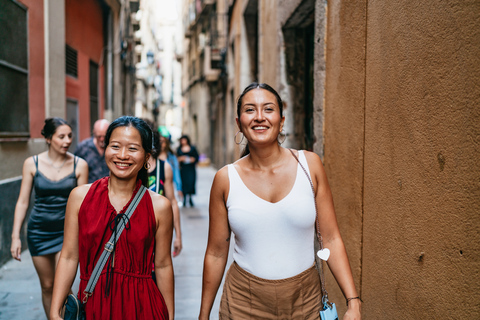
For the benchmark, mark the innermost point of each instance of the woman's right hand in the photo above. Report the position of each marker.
(16, 249)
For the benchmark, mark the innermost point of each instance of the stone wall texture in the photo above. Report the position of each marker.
(401, 151)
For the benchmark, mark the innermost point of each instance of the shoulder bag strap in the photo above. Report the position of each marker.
(109, 245)
(319, 236)
(157, 178)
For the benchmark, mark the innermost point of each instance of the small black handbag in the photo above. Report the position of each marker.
(73, 308)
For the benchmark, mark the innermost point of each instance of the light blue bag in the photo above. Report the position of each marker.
(329, 311)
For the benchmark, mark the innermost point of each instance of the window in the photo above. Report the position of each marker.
(93, 93)
(13, 70)
(71, 61)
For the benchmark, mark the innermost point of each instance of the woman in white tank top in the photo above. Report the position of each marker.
(266, 200)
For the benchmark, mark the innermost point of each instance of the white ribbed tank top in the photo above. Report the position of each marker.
(272, 240)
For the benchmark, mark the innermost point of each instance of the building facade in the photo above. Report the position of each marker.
(158, 50)
(60, 58)
(387, 94)
(205, 25)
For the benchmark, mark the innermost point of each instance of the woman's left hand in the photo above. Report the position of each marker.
(353, 311)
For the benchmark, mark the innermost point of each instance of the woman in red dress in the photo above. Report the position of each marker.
(125, 289)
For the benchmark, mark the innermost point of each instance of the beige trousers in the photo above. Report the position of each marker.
(246, 296)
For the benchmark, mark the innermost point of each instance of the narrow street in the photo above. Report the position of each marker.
(20, 296)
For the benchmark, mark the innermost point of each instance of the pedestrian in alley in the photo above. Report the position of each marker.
(167, 154)
(160, 180)
(93, 149)
(269, 202)
(53, 174)
(125, 289)
(188, 159)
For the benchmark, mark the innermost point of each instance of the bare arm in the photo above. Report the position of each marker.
(82, 172)
(170, 194)
(338, 261)
(163, 243)
(21, 207)
(216, 255)
(68, 261)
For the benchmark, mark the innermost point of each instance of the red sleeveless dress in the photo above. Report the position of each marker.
(132, 293)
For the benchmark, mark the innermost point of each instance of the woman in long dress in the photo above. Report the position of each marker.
(188, 157)
(125, 289)
(266, 200)
(53, 174)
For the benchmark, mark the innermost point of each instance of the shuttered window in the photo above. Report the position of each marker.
(14, 120)
(71, 61)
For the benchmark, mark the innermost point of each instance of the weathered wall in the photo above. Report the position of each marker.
(422, 195)
(344, 127)
(9, 189)
(401, 146)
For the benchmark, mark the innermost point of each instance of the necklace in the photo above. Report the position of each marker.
(53, 166)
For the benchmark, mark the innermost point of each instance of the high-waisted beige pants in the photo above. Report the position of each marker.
(246, 296)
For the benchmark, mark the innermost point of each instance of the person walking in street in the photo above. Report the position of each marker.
(53, 174)
(160, 180)
(266, 200)
(167, 154)
(93, 149)
(188, 158)
(125, 290)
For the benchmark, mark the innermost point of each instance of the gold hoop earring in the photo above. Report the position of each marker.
(284, 134)
(235, 138)
(146, 165)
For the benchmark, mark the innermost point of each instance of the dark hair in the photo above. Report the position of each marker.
(186, 138)
(51, 125)
(145, 134)
(250, 87)
(168, 147)
(156, 138)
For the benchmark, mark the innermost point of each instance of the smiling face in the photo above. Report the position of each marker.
(260, 118)
(61, 139)
(124, 154)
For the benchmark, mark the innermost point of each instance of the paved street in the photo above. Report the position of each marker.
(20, 296)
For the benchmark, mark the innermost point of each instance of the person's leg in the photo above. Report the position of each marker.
(45, 266)
(191, 200)
(185, 199)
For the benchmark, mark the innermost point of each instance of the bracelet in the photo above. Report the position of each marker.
(349, 299)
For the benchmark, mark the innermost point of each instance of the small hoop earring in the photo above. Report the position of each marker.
(284, 134)
(235, 138)
(146, 165)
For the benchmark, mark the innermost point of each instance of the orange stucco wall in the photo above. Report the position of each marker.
(36, 53)
(344, 127)
(401, 152)
(84, 33)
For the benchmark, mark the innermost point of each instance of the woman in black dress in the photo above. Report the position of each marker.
(188, 157)
(53, 174)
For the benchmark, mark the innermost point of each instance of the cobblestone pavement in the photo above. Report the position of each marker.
(20, 296)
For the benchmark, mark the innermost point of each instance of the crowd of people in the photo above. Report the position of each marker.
(271, 199)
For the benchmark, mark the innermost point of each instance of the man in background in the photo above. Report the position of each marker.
(93, 151)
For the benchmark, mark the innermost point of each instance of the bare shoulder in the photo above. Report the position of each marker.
(221, 177)
(80, 192)
(29, 166)
(312, 158)
(29, 162)
(80, 161)
(159, 202)
(168, 170)
(167, 166)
